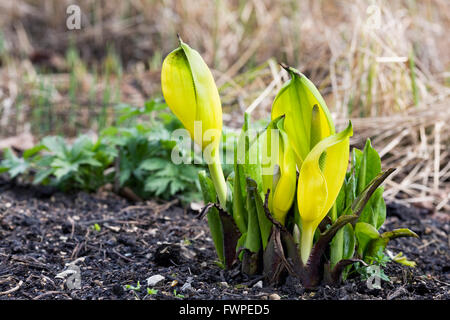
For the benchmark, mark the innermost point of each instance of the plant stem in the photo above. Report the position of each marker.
(215, 169)
(306, 241)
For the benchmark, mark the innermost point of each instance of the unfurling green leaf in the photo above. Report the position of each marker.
(215, 225)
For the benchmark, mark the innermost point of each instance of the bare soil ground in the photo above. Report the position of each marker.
(42, 230)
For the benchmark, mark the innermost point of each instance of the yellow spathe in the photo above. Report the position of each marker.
(319, 183)
(296, 100)
(191, 93)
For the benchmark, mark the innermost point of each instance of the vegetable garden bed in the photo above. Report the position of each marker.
(117, 244)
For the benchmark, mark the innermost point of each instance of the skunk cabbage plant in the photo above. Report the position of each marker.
(290, 206)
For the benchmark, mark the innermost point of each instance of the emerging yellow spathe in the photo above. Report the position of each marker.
(321, 176)
(320, 154)
(191, 93)
(280, 172)
(296, 100)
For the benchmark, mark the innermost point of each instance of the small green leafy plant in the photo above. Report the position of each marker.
(133, 288)
(366, 271)
(141, 151)
(177, 295)
(77, 166)
(152, 291)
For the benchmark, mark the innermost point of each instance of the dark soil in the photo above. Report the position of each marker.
(118, 243)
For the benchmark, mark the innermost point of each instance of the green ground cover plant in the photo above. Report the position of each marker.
(132, 153)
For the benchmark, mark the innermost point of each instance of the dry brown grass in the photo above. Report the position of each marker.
(417, 144)
(335, 43)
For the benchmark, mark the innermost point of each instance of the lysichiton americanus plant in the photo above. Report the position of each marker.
(290, 206)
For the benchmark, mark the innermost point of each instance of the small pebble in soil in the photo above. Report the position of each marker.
(187, 285)
(274, 296)
(153, 280)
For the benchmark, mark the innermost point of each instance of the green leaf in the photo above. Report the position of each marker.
(214, 223)
(170, 170)
(265, 225)
(248, 155)
(19, 168)
(362, 199)
(207, 187)
(356, 163)
(42, 175)
(370, 166)
(380, 208)
(350, 189)
(56, 145)
(82, 144)
(399, 233)
(188, 173)
(239, 212)
(349, 241)
(157, 185)
(89, 161)
(343, 245)
(366, 167)
(13, 164)
(402, 259)
(109, 132)
(133, 288)
(63, 168)
(379, 244)
(124, 175)
(374, 212)
(151, 291)
(340, 200)
(153, 164)
(154, 105)
(176, 186)
(241, 243)
(365, 233)
(253, 241)
(349, 245)
(33, 151)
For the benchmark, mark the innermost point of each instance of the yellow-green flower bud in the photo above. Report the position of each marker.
(296, 101)
(191, 93)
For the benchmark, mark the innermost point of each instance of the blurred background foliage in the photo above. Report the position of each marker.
(55, 81)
